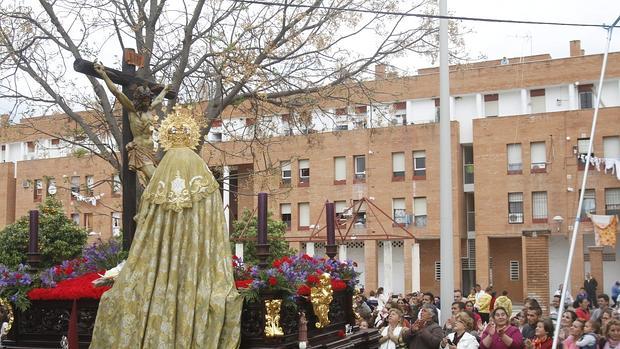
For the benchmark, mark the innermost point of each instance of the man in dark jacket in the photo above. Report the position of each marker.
(590, 284)
(425, 333)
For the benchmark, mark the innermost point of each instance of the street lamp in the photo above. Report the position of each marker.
(558, 220)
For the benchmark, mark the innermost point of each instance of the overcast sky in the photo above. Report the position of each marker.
(496, 40)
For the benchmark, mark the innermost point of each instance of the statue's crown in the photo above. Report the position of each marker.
(179, 129)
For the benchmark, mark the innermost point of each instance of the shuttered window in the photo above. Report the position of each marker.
(304, 214)
(538, 155)
(515, 162)
(340, 168)
(611, 147)
(398, 164)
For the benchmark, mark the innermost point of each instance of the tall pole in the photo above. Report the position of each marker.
(128, 177)
(569, 263)
(445, 169)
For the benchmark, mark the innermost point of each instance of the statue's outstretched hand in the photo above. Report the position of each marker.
(98, 68)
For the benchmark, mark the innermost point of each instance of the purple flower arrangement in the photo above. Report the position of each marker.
(15, 284)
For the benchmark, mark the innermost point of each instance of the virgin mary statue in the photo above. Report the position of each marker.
(176, 289)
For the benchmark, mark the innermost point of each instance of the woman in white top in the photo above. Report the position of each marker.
(461, 338)
(392, 334)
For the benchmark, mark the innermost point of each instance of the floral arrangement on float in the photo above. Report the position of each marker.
(71, 279)
(293, 276)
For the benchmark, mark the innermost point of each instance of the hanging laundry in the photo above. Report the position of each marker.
(604, 229)
(609, 164)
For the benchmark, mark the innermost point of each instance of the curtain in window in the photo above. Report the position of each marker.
(611, 147)
(340, 168)
(304, 214)
(398, 162)
(538, 153)
(514, 156)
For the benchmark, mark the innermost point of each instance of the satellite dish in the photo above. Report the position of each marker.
(51, 190)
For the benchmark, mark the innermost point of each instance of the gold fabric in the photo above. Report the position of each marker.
(176, 289)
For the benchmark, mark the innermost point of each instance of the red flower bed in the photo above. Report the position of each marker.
(78, 288)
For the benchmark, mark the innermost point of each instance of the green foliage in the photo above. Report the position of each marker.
(59, 238)
(245, 231)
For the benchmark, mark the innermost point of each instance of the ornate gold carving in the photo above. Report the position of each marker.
(321, 297)
(179, 129)
(6, 316)
(272, 318)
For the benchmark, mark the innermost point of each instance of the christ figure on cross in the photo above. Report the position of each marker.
(142, 117)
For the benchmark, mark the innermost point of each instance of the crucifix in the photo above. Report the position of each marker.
(138, 114)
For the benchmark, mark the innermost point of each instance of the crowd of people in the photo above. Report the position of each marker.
(482, 319)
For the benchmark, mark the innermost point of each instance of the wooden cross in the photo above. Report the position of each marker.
(129, 81)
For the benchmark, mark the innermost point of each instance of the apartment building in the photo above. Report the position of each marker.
(519, 126)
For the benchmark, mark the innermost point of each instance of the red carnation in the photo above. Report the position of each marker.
(277, 263)
(312, 279)
(303, 290)
(319, 272)
(69, 270)
(57, 271)
(243, 283)
(235, 257)
(273, 281)
(338, 285)
(18, 276)
(341, 334)
(307, 257)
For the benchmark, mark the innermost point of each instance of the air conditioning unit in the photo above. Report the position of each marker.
(514, 218)
(539, 166)
(25, 184)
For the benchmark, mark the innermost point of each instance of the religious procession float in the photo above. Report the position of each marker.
(295, 301)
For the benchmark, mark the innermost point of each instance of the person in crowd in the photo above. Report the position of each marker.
(414, 304)
(392, 332)
(576, 331)
(461, 338)
(604, 319)
(519, 320)
(568, 298)
(589, 338)
(544, 336)
(425, 333)
(382, 297)
(493, 294)
(429, 298)
(479, 292)
(483, 304)
(590, 285)
(530, 303)
(383, 315)
(455, 309)
(533, 316)
(362, 308)
(437, 302)
(583, 311)
(472, 295)
(554, 309)
(372, 301)
(469, 306)
(566, 322)
(603, 303)
(615, 293)
(611, 339)
(364, 325)
(504, 302)
(403, 306)
(458, 296)
(580, 296)
(499, 333)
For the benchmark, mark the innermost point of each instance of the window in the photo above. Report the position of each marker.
(491, 107)
(612, 201)
(585, 96)
(340, 170)
(75, 184)
(116, 184)
(359, 163)
(589, 204)
(90, 184)
(30, 146)
(38, 189)
(468, 164)
(515, 164)
(515, 208)
(537, 101)
(285, 215)
(285, 170)
(514, 270)
(538, 157)
(55, 142)
(51, 186)
(75, 217)
(398, 166)
(437, 270)
(304, 215)
(304, 171)
(419, 164)
(539, 207)
(88, 221)
(400, 113)
(419, 211)
(340, 207)
(399, 211)
(611, 147)
(116, 224)
(360, 217)
(582, 151)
